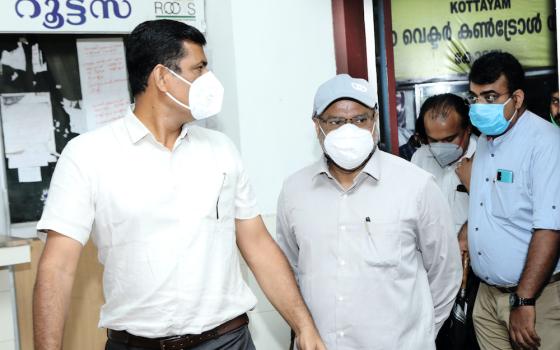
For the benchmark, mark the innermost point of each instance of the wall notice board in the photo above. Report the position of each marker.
(52, 88)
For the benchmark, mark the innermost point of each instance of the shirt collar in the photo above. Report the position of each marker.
(137, 130)
(372, 167)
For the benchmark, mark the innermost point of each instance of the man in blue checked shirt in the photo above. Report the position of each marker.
(514, 212)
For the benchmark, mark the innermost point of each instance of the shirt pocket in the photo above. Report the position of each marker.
(505, 199)
(383, 244)
(225, 201)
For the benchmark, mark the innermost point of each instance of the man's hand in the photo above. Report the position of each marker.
(522, 328)
(541, 259)
(463, 242)
(309, 339)
(463, 171)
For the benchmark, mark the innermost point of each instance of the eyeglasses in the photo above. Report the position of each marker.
(336, 122)
(490, 97)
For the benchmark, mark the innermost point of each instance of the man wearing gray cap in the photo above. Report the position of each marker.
(367, 234)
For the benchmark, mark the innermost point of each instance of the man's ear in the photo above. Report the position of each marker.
(317, 128)
(519, 98)
(160, 77)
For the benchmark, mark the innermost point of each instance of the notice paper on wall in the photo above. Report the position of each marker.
(30, 174)
(15, 58)
(27, 123)
(103, 80)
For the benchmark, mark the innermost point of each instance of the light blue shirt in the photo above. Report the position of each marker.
(504, 214)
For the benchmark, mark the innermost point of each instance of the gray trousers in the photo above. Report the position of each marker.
(239, 339)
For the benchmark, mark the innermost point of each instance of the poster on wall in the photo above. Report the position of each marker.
(27, 126)
(443, 38)
(94, 16)
(104, 83)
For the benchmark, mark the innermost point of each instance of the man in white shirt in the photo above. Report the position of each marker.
(165, 202)
(446, 134)
(444, 128)
(368, 234)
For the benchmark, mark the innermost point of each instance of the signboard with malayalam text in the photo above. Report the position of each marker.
(441, 38)
(94, 16)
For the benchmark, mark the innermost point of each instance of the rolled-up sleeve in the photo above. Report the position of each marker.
(245, 199)
(284, 234)
(69, 209)
(440, 250)
(546, 186)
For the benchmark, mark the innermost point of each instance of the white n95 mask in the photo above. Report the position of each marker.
(206, 95)
(348, 146)
(445, 153)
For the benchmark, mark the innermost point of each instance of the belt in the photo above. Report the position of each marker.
(180, 342)
(513, 289)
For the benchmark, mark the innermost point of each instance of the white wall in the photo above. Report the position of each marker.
(282, 51)
(271, 56)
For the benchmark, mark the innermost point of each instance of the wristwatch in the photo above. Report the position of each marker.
(515, 301)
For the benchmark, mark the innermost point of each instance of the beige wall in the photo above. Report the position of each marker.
(81, 330)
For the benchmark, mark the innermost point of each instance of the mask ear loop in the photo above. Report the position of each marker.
(465, 133)
(324, 137)
(177, 101)
(179, 77)
(553, 120)
(320, 128)
(514, 113)
(173, 97)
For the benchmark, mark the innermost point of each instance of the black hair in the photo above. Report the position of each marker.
(440, 105)
(157, 42)
(489, 67)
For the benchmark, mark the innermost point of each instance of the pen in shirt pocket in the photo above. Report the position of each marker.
(368, 225)
(219, 194)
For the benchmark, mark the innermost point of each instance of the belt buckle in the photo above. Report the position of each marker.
(171, 343)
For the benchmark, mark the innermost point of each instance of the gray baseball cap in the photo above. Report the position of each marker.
(341, 87)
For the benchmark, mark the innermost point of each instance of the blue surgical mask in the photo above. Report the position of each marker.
(489, 118)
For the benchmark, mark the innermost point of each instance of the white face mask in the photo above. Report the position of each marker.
(348, 146)
(206, 95)
(445, 153)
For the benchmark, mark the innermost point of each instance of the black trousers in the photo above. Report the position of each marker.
(239, 339)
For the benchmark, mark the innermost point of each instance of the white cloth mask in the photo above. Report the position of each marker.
(206, 95)
(349, 146)
(445, 153)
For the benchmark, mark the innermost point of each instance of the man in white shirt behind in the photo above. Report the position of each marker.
(167, 204)
(444, 128)
(447, 138)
